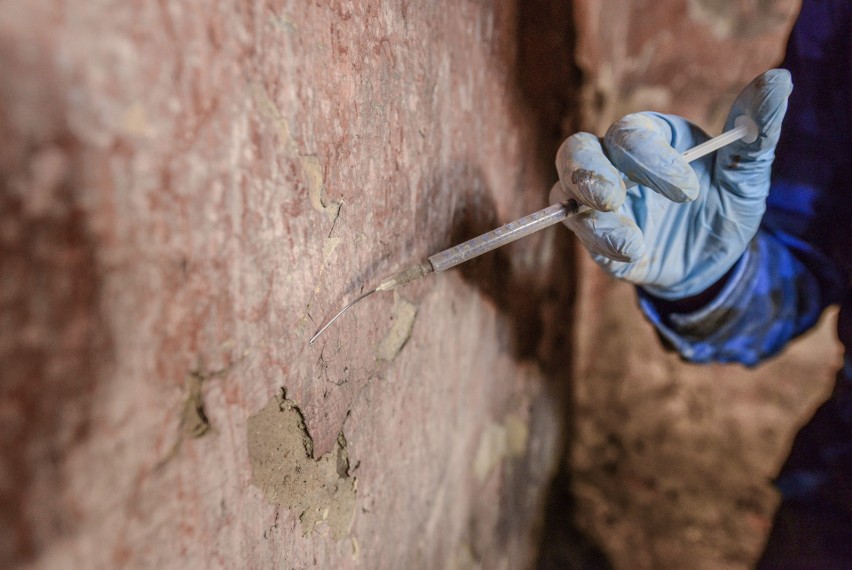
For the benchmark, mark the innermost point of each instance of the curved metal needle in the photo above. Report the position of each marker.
(335, 317)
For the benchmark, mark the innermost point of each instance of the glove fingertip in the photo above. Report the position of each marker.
(764, 100)
(689, 190)
(598, 191)
(586, 173)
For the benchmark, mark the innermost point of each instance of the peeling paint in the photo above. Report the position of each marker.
(283, 468)
(403, 317)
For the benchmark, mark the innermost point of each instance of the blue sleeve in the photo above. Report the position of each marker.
(770, 297)
(801, 258)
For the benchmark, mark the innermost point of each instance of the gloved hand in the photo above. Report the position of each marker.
(686, 224)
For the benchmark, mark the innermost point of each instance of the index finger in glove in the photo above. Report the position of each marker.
(587, 175)
(642, 146)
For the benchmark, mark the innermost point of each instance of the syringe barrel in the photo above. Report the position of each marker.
(744, 129)
(504, 234)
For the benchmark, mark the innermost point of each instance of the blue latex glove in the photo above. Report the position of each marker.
(686, 224)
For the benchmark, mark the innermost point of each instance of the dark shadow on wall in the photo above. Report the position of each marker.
(537, 304)
(549, 81)
(53, 345)
(537, 307)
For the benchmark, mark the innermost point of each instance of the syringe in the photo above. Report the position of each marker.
(744, 129)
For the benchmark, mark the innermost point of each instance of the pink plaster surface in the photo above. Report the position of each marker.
(190, 184)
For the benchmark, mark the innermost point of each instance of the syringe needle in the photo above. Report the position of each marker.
(335, 317)
(388, 284)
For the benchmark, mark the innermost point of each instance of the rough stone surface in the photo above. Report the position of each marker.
(191, 186)
(689, 57)
(672, 462)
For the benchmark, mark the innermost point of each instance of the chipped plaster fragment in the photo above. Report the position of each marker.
(498, 442)
(193, 416)
(492, 450)
(356, 550)
(283, 468)
(313, 178)
(328, 248)
(312, 170)
(134, 122)
(268, 111)
(517, 434)
(403, 317)
(463, 559)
